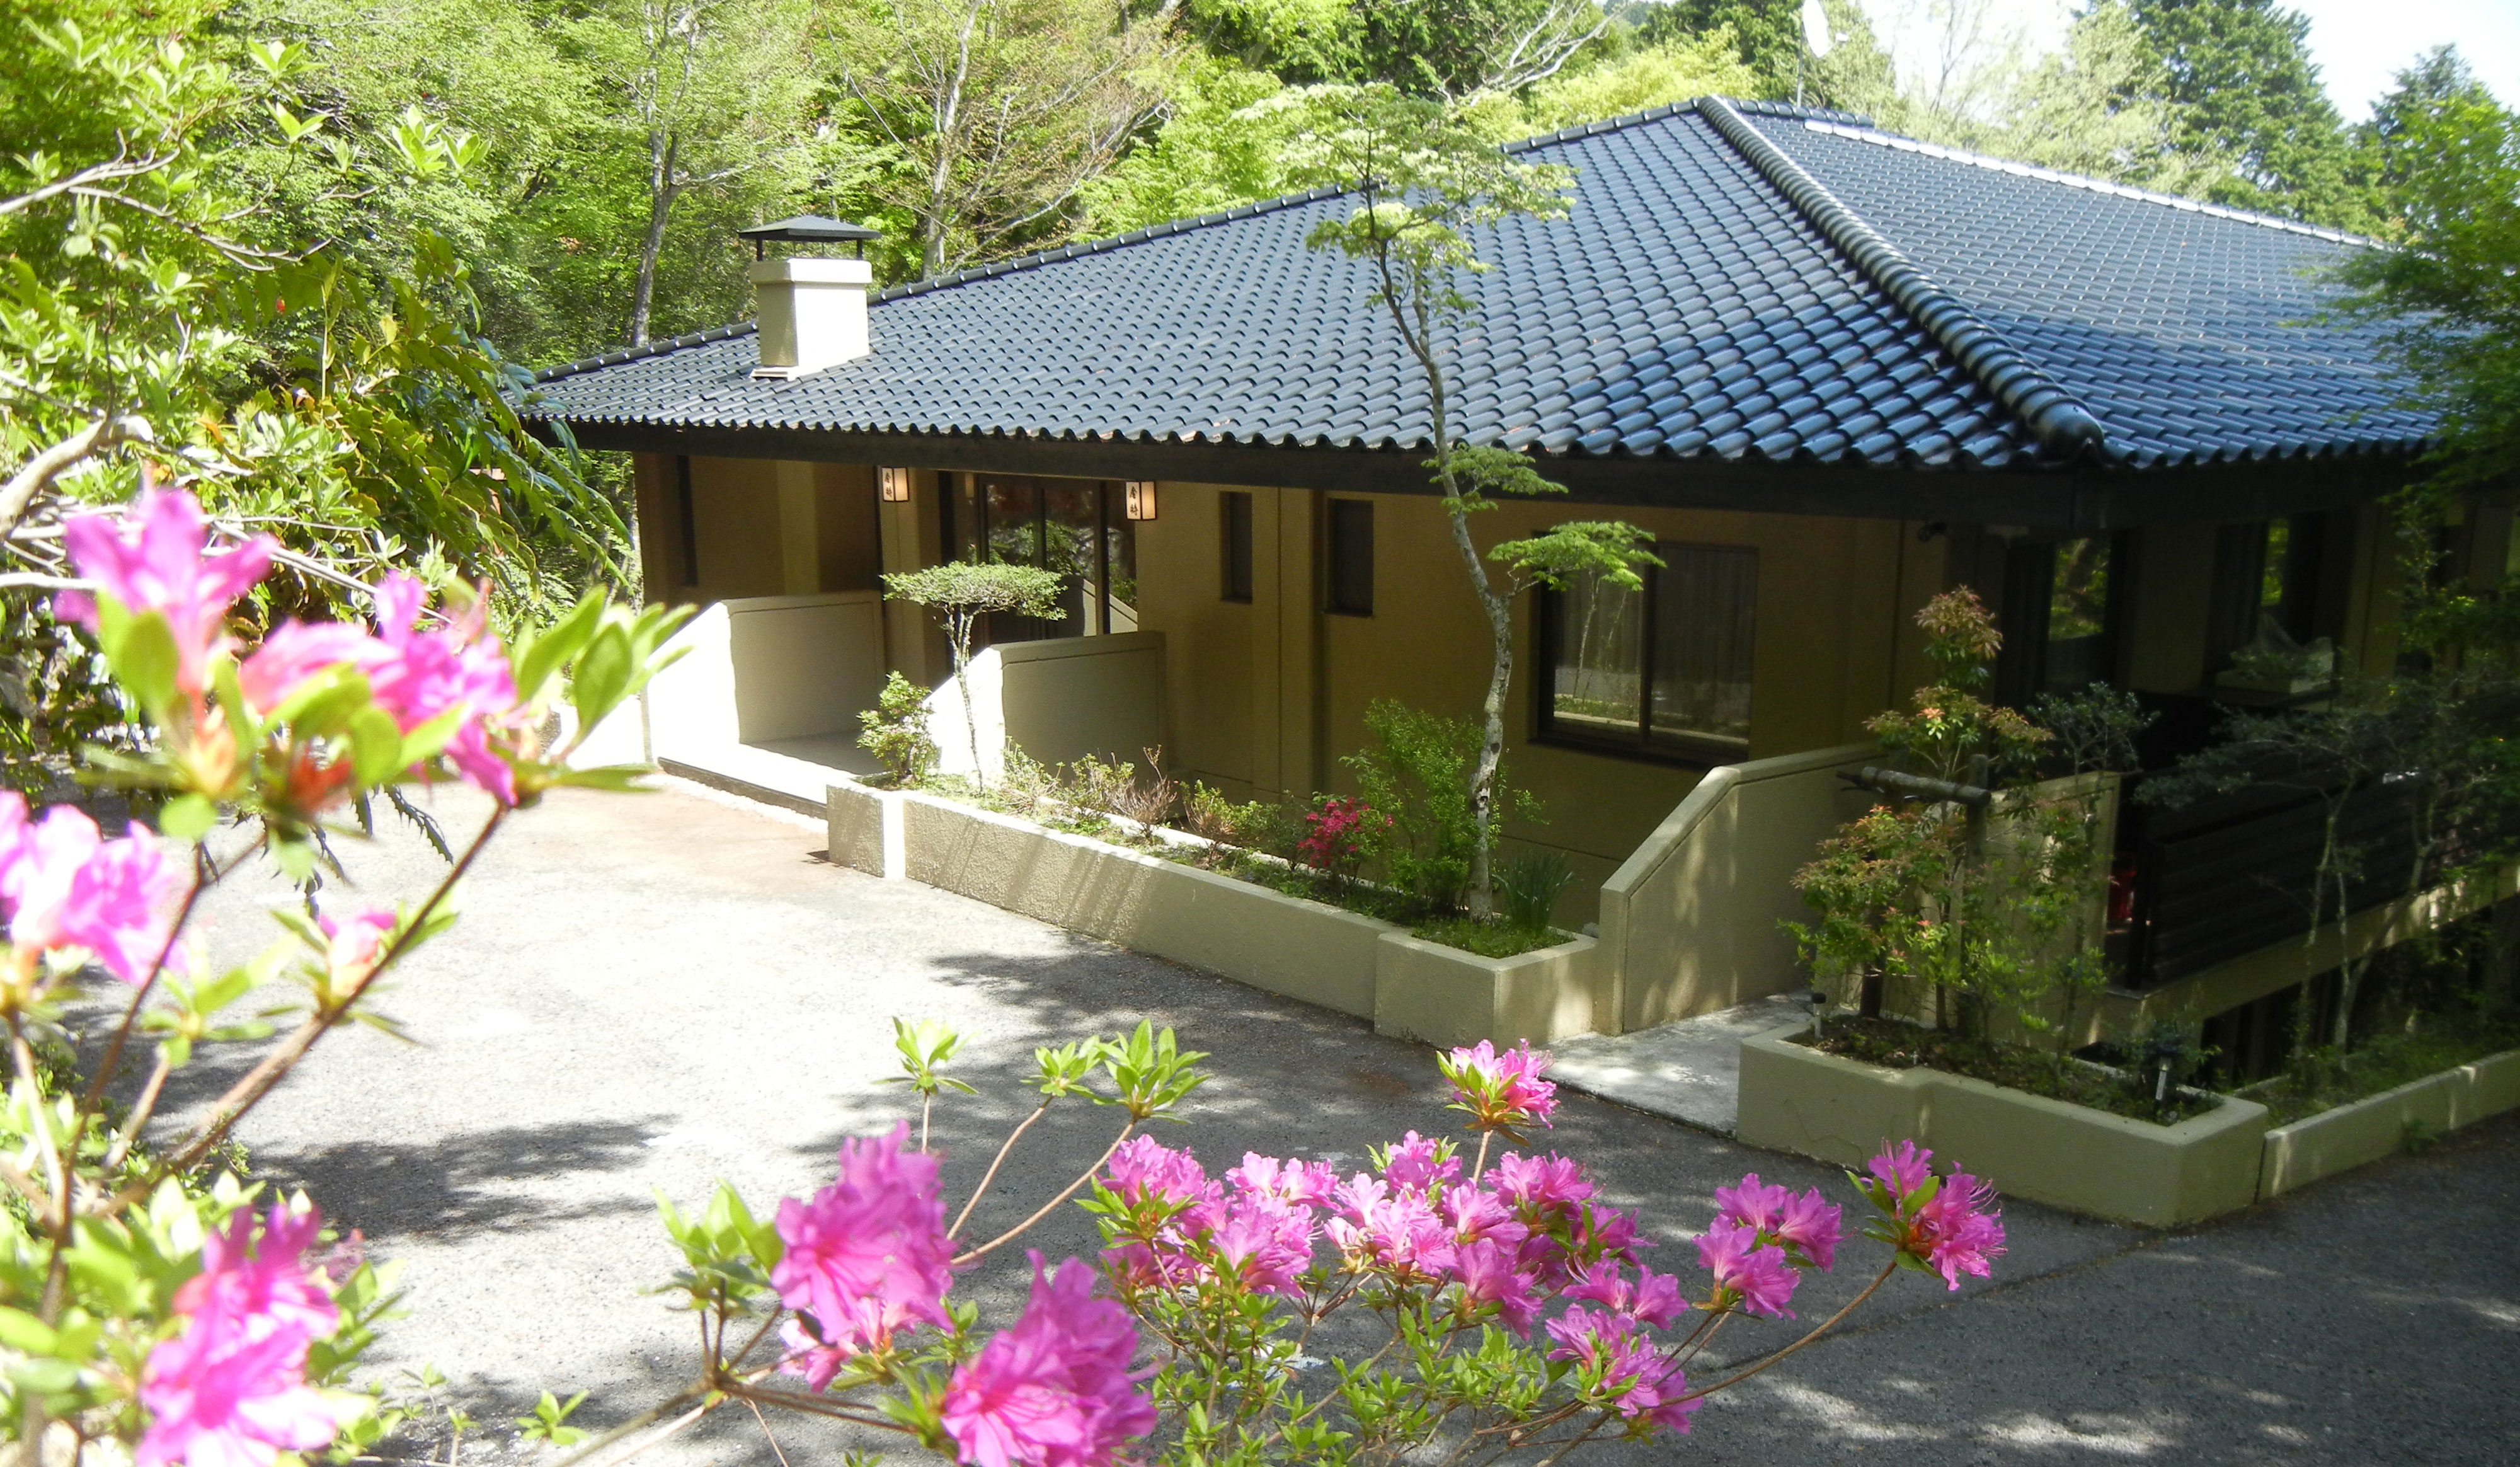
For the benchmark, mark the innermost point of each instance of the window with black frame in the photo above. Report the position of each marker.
(1078, 527)
(1662, 669)
(2061, 600)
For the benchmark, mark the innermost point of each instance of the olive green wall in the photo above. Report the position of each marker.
(1267, 696)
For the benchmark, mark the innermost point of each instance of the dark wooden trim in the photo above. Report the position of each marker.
(2069, 499)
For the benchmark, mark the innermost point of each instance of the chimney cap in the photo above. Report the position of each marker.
(807, 229)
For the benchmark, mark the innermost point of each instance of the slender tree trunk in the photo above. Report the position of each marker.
(962, 630)
(662, 149)
(937, 225)
(2329, 870)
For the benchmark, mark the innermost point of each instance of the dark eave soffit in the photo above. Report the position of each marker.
(2074, 499)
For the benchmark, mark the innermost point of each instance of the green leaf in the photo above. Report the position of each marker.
(551, 651)
(187, 817)
(145, 661)
(376, 745)
(602, 675)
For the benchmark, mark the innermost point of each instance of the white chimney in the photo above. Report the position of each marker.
(812, 313)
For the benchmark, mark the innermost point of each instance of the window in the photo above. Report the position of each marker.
(1665, 668)
(2266, 571)
(1351, 557)
(687, 519)
(2061, 600)
(1076, 527)
(1234, 544)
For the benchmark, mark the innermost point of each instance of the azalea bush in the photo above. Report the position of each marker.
(150, 1298)
(1480, 1305)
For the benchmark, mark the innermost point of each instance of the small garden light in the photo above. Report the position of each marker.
(1817, 999)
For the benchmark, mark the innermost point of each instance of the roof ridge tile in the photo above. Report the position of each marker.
(1863, 133)
(2061, 423)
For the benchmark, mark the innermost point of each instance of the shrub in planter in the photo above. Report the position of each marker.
(896, 732)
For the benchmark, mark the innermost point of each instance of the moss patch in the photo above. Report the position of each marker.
(1898, 1045)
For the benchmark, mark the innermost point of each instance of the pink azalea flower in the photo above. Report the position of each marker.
(1489, 1275)
(295, 652)
(1266, 1241)
(1903, 1169)
(68, 887)
(1502, 1092)
(1748, 1275)
(152, 559)
(1414, 1164)
(1396, 1231)
(1753, 1203)
(216, 1398)
(230, 1390)
(1620, 1369)
(1811, 1225)
(1652, 1298)
(1290, 1180)
(1145, 1168)
(810, 1358)
(1957, 1232)
(868, 1256)
(259, 1282)
(1541, 1183)
(1808, 1224)
(425, 673)
(1054, 1390)
(357, 939)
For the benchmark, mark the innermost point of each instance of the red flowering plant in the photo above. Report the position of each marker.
(1337, 832)
(148, 1296)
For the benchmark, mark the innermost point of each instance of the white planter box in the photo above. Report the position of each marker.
(1796, 1098)
(2350, 1135)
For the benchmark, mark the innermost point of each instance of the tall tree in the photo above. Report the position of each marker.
(1428, 175)
(1453, 49)
(2242, 87)
(995, 114)
(2092, 107)
(2450, 299)
(2391, 149)
(711, 95)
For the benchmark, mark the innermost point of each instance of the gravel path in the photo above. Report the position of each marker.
(645, 995)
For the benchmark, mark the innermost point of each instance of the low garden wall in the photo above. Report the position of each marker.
(1796, 1098)
(1283, 944)
(2350, 1135)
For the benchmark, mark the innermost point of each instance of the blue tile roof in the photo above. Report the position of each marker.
(1737, 281)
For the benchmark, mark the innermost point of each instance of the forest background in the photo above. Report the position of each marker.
(612, 148)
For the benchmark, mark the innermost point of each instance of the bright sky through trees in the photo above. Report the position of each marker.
(2359, 45)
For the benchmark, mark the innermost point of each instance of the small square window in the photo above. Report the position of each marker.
(1351, 557)
(1234, 544)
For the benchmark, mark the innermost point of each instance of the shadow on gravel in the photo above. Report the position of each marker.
(479, 1180)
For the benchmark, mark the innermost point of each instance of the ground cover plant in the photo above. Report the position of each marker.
(1896, 1044)
(1399, 851)
(2428, 1045)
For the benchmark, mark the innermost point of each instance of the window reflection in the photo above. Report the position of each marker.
(1667, 665)
(1076, 527)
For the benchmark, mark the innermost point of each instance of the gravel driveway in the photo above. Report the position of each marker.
(648, 994)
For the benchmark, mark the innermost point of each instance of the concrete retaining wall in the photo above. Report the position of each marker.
(1796, 1098)
(2350, 1135)
(1283, 944)
(1690, 921)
